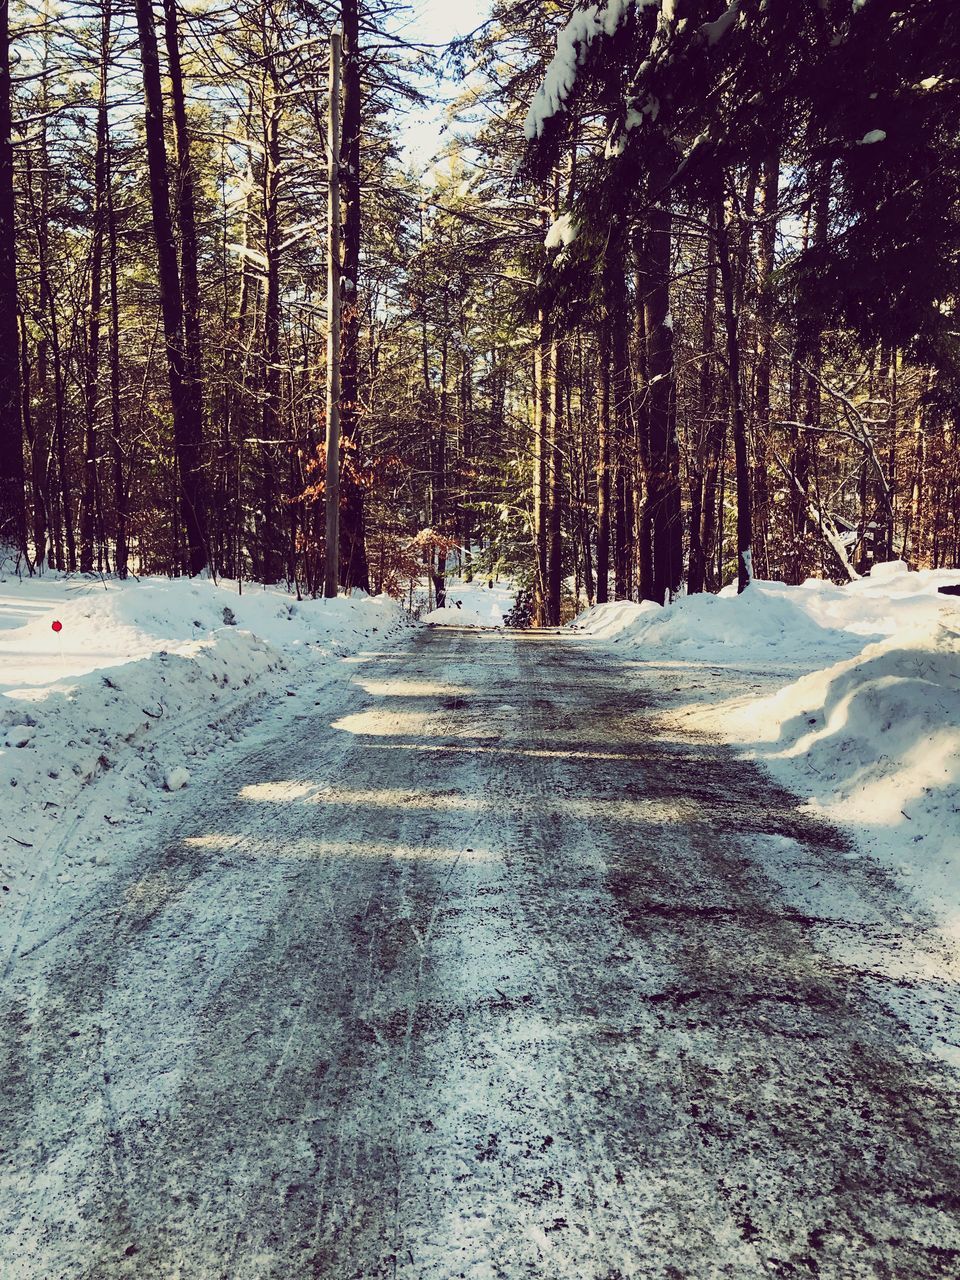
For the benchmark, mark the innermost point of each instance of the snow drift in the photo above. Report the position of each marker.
(875, 741)
(454, 617)
(99, 721)
(773, 623)
(859, 705)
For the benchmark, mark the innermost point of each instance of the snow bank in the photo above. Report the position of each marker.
(473, 604)
(451, 616)
(489, 603)
(874, 741)
(771, 623)
(103, 717)
(866, 727)
(768, 621)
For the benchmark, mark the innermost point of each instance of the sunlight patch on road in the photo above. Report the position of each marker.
(321, 850)
(656, 810)
(413, 689)
(377, 723)
(452, 801)
(534, 753)
(323, 793)
(277, 792)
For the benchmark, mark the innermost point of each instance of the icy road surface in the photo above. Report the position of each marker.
(485, 978)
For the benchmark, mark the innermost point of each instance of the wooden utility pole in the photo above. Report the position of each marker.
(332, 559)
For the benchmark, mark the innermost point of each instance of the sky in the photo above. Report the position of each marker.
(444, 19)
(435, 22)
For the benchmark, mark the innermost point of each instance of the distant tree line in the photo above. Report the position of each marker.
(677, 307)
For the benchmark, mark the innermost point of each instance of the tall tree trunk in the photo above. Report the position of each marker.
(663, 481)
(913, 537)
(13, 523)
(622, 395)
(604, 424)
(331, 497)
(744, 524)
(440, 505)
(38, 470)
(579, 473)
(703, 482)
(800, 470)
(196, 493)
(806, 390)
(66, 534)
(95, 299)
(271, 422)
(616, 307)
(185, 400)
(541, 493)
(353, 566)
(641, 415)
(769, 195)
(555, 486)
(466, 417)
(121, 550)
(893, 418)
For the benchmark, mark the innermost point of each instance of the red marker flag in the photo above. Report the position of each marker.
(56, 626)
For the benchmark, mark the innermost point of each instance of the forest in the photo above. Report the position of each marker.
(479, 640)
(673, 307)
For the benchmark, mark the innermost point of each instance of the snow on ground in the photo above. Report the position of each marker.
(486, 602)
(850, 695)
(100, 720)
(451, 616)
(473, 604)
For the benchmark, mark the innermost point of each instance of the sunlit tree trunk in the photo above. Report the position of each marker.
(13, 528)
(354, 571)
(185, 400)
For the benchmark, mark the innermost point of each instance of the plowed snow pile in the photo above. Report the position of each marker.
(100, 721)
(480, 603)
(859, 703)
(455, 617)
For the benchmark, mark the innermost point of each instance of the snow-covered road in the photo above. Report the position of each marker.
(489, 977)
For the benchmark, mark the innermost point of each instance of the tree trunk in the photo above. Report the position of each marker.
(440, 511)
(580, 483)
(332, 478)
(65, 532)
(744, 523)
(13, 524)
(121, 550)
(704, 479)
(95, 299)
(603, 468)
(555, 472)
(807, 390)
(195, 493)
(185, 400)
(541, 495)
(38, 471)
(769, 193)
(663, 481)
(354, 570)
(271, 421)
(893, 416)
(622, 395)
(913, 533)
